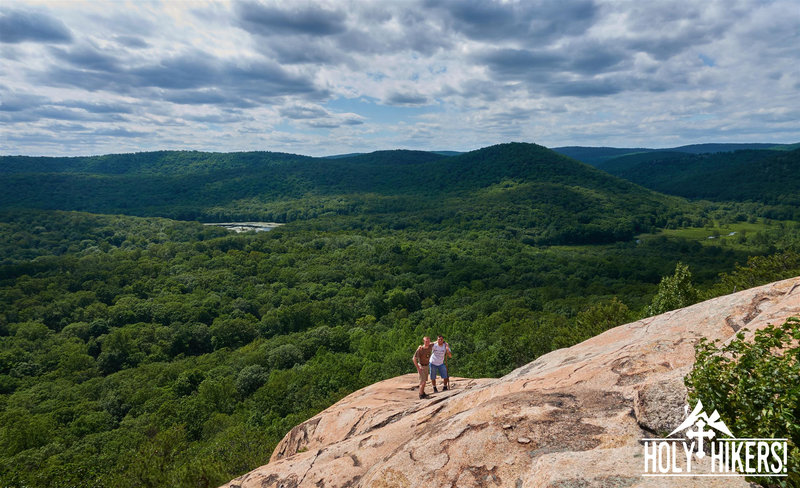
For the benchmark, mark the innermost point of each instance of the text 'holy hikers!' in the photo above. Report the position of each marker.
(699, 454)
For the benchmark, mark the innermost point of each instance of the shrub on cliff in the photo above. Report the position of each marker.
(754, 386)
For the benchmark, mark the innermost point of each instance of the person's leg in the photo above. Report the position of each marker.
(445, 377)
(433, 378)
(423, 378)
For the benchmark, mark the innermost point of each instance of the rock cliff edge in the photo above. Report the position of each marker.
(572, 418)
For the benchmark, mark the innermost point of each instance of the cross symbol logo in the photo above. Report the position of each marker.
(700, 434)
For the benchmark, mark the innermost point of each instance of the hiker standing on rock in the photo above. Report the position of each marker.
(421, 359)
(441, 351)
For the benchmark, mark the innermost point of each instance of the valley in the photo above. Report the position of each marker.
(139, 347)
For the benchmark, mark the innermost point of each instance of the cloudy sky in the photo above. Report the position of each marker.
(318, 78)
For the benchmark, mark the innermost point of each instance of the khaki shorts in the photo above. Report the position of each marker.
(423, 374)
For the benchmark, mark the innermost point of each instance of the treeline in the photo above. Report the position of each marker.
(146, 163)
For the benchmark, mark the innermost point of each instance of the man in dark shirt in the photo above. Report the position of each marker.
(420, 359)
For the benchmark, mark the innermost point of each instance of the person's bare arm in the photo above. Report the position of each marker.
(414, 359)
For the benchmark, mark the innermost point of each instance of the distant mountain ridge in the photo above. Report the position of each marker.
(597, 155)
(527, 189)
(767, 176)
(349, 155)
(393, 171)
(155, 162)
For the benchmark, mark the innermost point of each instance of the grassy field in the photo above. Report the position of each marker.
(735, 234)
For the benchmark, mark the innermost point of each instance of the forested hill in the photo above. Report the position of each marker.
(596, 156)
(771, 177)
(526, 189)
(383, 171)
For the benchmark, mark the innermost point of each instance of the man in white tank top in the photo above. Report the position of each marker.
(441, 350)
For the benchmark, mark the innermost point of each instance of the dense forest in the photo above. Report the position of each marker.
(141, 350)
(766, 176)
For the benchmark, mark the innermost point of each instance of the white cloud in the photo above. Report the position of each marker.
(320, 77)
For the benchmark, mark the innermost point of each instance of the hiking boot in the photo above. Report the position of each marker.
(435, 390)
(445, 388)
(422, 396)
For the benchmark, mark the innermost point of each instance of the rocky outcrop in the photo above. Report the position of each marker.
(572, 418)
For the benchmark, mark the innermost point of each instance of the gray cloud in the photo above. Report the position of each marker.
(323, 124)
(21, 26)
(663, 48)
(267, 79)
(301, 112)
(665, 29)
(61, 113)
(132, 42)
(522, 63)
(99, 108)
(568, 72)
(192, 77)
(318, 117)
(16, 102)
(266, 20)
(218, 118)
(51, 111)
(87, 80)
(585, 88)
(407, 99)
(583, 68)
(419, 32)
(305, 50)
(120, 132)
(87, 57)
(209, 96)
(593, 57)
(10, 52)
(335, 121)
(255, 80)
(23, 107)
(186, 71)
(17, 118)
(583, 58)
(125, 23)
(484, 90)
(300, 36)
(540, 20)
(507, 122)
(60, 127)
(350, 120)
(778, 116)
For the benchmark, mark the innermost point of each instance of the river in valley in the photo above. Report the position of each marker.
(247, 226)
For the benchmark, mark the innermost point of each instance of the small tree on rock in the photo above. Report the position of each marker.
(674, 292)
